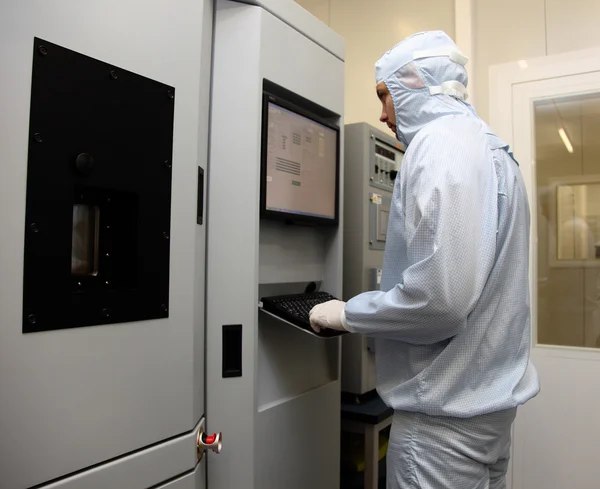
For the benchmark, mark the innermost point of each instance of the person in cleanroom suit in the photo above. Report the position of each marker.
(451, 321)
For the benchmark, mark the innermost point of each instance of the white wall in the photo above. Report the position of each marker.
(371, 27)
(511, 30)
(502, 31)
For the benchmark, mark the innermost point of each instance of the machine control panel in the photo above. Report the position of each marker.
(385, 164)
(379, 212)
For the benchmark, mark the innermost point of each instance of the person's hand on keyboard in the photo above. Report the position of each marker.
(328, 315)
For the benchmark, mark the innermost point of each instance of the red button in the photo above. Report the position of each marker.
(210, 439)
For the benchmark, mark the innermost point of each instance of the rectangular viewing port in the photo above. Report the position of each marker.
(85, 240)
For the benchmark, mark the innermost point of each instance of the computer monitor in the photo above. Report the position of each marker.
(300, 164)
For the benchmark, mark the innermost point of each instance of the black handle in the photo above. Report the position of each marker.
(232, 350)
(200, 205)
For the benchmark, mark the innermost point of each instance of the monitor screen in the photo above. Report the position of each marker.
(300, 165)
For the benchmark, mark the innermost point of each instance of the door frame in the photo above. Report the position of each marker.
(507, 90)
(523, 94)
(504, 76)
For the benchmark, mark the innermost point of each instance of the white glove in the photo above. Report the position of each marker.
(328, 315)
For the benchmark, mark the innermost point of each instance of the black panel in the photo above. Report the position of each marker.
(98, 193)
(232, 350)
(200, 206)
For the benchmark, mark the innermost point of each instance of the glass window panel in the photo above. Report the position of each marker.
(84, 240)
(567, 149)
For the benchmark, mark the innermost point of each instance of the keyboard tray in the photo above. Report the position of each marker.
(323, 334)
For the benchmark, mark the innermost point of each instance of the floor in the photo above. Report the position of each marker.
(355, 480)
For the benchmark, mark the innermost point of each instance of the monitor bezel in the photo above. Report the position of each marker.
(269, 97)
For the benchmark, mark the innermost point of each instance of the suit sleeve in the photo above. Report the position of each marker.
(449, 207)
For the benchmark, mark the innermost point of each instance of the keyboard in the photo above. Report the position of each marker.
(295, 308)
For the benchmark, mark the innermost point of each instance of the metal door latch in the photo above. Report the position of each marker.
(206, 442)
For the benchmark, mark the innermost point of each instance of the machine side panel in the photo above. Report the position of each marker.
(233, 222)
(142, 469)
(355, 240)
(199, 298)
(355, 210)
(308, 456)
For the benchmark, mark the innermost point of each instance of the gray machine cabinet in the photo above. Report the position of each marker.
(372, 160)
(86, 404)
(284, 374)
